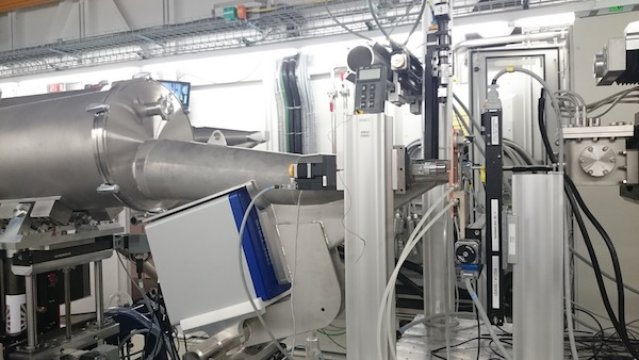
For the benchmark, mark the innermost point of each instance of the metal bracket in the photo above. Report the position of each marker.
(399, 165)
(20, 220)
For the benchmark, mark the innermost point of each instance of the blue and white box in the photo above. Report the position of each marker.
(196, 251)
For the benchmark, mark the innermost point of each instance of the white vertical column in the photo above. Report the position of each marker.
(368, 214)
(537, 253)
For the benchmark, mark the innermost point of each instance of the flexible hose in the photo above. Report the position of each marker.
(244, 282)
(553, 99)
(410, 244)
(484, 317)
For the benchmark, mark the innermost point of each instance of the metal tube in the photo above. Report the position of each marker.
(88, 139)
(99, 293)
(438, 265)
(67, 302)
(32, 325)
(366, 55)
(177, 170)
(110, 151)
(211, 347)
(245, 139)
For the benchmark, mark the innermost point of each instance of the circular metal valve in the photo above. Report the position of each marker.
(599, 65)
(467, 254)
(597, 160)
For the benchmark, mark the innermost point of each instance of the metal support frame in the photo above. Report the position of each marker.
(368, 220)
(431, 109)
(492, 122)
(67, 303)
(99, 292)
(437, 70)
(32, 324)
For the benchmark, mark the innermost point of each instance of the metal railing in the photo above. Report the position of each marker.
(310, 19)
(275, 25)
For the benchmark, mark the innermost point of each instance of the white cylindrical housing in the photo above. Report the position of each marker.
(536, 248)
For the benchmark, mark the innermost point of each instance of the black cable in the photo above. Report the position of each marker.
(377, 22)
(601, 328)
(343, 26)
(413, 288)
(577, 203)
(541, 117)
(414, 267)
(288, 106)
(435, 351)
(533, 168)
(416, 24)
(297, 105)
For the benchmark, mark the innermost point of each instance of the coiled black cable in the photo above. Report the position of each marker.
(577, 205)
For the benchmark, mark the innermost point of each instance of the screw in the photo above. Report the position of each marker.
(590, 148)
(605, 148)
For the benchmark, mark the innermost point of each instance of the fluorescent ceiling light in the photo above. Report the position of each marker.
(485, 29)
(546, 20)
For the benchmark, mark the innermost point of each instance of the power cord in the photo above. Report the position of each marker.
(576, 203)
(244, 281)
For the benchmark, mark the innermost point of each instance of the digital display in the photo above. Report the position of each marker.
(370, 74)
(182, 90)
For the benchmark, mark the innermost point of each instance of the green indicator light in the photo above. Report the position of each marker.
(618, 8)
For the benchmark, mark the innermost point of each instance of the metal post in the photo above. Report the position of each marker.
(3, 291)
(99, 292)
(32, 325)
(368, 214)
(439, 270)
(536, 250)
(67, 302)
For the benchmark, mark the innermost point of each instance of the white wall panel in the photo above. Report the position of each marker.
(32, 27)
(5, 32)
(102, 17)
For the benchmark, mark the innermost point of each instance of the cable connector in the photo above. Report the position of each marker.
(493, 103)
